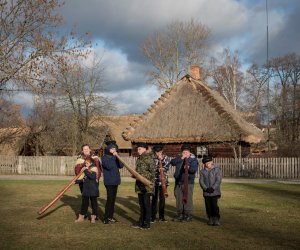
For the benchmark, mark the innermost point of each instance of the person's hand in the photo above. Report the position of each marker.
(210, 190)
(115, 153)
(159, 155)
(84, 168)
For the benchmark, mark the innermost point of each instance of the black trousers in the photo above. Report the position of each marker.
(211, 206)
(81, 187)
(111, 191)
(145, 209)
(158, 194)
(85, 205)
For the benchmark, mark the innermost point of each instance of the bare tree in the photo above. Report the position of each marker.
(255, 91)
(173, 50)
(79, 94)
(286, 104)
(30, 44)
(227, 76)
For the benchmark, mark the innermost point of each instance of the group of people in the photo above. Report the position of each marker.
(152, 165)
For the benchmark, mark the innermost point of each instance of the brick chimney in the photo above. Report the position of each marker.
(195, 71)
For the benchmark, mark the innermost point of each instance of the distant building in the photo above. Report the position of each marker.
(115, 126)
(191, 112)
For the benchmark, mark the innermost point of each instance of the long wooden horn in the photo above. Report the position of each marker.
(136, 174)
(60, 194)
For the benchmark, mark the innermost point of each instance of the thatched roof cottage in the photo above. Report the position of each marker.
(191, 112)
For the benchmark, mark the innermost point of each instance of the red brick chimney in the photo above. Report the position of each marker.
(195, 71)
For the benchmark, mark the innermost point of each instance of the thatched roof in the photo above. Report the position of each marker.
(115, 127)
(191, 112)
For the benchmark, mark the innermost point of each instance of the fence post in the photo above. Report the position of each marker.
(20, 165)
(62, 166)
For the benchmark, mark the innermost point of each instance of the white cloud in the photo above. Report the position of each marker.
(134, 101)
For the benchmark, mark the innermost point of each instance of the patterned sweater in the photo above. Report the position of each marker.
(145, 166)
(165, 164)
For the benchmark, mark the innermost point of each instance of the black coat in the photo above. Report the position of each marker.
(110, 167)
(179, 170)
(90, 184)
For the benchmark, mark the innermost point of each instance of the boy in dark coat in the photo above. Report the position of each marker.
(145, 166)
(90, 189)
(210, 181)
(112, 179)
(184, 210)
(158, 189)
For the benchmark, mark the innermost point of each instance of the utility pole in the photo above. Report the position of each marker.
(268, 80)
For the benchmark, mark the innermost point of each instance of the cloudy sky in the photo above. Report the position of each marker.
(119, 27)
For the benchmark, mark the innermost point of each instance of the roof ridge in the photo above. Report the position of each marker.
(214, 103)
(160, 101)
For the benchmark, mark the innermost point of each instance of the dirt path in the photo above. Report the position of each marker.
(128, 179)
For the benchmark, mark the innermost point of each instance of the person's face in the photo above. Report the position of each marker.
(159, 153)
(113, 150)
(186, 153)
(208, 164)
(141, 150)
(86, 150)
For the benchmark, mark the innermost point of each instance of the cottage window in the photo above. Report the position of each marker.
(201, 150)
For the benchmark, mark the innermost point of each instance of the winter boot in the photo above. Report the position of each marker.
(188, 218)
(80, 218)
(179, 218)
(216, 221)
(93, 218)
(210, 221)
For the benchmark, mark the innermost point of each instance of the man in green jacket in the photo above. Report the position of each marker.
(145, 166)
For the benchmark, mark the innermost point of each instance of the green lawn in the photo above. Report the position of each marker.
(253, 216)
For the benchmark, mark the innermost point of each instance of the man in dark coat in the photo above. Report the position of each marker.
(184, 210)
(112, 179)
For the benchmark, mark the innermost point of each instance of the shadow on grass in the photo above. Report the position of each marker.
(74, 202)
(131, 203)
(122, 205)
(274, 190)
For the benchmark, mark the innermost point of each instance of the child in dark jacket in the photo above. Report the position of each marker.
(210, 181)
(112, 179)
(184, 207)
(90, 189)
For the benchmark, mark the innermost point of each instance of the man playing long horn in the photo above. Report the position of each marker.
(186, 167)
(145, 166)
(161, 183)
(111, 177)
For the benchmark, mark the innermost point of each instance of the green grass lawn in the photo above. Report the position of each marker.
(253, 216)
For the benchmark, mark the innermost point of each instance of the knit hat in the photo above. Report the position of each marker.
(157, 148)
(142, 145)
(185, 147)
(206, 158)
(110, 145)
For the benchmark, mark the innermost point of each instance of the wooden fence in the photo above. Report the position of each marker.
(283, 168)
